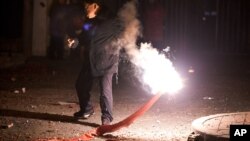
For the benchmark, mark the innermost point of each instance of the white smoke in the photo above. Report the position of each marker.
(128, 15)
(156, 70)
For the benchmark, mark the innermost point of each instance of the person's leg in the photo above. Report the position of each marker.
(106, 98)
(83, 88)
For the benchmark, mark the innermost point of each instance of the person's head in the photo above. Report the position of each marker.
(92, 7)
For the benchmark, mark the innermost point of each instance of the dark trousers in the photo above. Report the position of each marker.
(83, 87)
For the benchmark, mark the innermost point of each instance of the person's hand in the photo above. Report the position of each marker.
(72, 43)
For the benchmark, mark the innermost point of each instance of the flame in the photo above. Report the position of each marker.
(158, 71)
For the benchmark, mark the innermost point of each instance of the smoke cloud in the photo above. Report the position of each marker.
(128, 14)
(152, 68)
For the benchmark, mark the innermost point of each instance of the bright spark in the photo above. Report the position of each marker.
(158, 71)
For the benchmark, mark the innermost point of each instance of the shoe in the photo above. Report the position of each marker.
(106, 122)
(84, 115)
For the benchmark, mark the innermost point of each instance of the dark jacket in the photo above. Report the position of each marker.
(104, 54)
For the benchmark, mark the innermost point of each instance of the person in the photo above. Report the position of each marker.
(101, 30)
(57, 29)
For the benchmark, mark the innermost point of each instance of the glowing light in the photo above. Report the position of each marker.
(191, 70)
(158, 71)
(87, 26)
(72, 43)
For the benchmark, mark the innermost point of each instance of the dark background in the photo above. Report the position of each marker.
(220, 26)
(217, 27)
(11, 18)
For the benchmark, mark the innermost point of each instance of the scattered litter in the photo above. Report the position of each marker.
(65, 103)
(33, 106)
(194, 137)
(7, 125)
(208, 98)
(23, 89)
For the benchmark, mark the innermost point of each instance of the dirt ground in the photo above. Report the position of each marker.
(38, 99)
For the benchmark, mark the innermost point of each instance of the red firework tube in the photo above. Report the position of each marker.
(129, 120)
(114, 127)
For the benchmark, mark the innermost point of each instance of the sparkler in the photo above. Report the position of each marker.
(159, 74)
(158, 71)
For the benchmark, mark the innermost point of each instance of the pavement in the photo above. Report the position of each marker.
(217, 127)
(38, 99)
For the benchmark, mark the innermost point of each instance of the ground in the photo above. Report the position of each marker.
(38, 99)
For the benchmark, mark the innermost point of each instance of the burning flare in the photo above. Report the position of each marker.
(158, 71)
